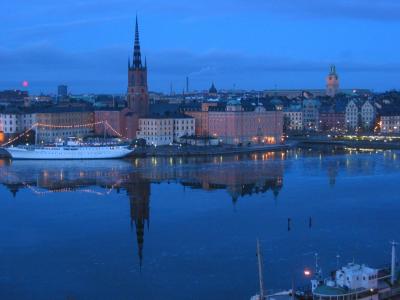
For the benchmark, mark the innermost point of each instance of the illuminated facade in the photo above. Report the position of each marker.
(311, 114)
(360, 115)
(332, 118)
(64, 122)
(164, 130)
(234, 124)
(14, 122)
(390, 122)
(294, 118)
(367, 112)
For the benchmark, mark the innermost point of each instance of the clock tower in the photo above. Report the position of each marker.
(332, 82)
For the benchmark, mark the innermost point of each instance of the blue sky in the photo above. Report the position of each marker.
(250, 44)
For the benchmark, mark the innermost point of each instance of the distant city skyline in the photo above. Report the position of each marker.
(288, 44)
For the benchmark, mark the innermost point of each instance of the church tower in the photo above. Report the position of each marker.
(332, 82)
(138, 95)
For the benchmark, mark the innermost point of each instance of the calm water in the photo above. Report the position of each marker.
(187, 228)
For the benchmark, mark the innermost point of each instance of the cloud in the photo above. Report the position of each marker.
(382, 10)
(61, 25)
(105, 70)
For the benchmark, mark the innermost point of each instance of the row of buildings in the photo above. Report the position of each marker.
(229, 123)
(353, 115)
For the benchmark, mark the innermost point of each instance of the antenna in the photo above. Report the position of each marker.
(337, 261)
(318, 270)
(260, 269)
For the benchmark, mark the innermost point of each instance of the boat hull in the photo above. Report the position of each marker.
(68, 153)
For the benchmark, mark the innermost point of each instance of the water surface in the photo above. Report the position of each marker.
(186, 228)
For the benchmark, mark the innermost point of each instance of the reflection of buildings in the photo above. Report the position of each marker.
(238, 175)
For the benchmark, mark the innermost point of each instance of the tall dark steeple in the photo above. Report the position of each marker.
(138, 95)
(137, 56)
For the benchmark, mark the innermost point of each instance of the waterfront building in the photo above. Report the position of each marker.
(200, 113)
(293, 116)
(114, 117)
(165, 130)
(60, 122)
(233, 123)
(313, 93)
(332, 118)
(311, 114)
(390, 120)
(332, 82)
(14, 120)
(352, 115)
(360, 114)
(368, 114)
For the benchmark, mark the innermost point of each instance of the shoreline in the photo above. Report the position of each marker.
(193, 151)
(186, 151)
(376, 145)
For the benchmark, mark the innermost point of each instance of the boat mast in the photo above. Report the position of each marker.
(260, 270)
(36, 134)
(393, 266)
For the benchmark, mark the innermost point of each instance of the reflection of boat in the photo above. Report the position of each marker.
(99, 166)
(69, 150)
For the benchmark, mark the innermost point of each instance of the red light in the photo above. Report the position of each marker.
(25, 83)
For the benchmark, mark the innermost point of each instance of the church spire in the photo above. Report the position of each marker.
(332, 70)
(137, 57)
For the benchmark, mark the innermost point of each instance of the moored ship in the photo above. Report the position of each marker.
(72, 149)
(351, 282)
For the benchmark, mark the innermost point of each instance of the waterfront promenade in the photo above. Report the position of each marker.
(384, 144)
(188, 150)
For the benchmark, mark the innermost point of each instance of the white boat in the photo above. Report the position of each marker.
(69, 150)
(351, 282)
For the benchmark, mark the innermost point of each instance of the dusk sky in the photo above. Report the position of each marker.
(252, 44)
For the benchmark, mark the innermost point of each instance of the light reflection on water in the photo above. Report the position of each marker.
(172, 227)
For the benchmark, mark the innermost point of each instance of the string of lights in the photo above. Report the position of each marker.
(68, 126)
(18, 137)
(69, 190)
(38, 125)
(113, 130)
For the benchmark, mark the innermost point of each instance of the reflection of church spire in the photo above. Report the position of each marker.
(140, 238)
(332, 173)
(13, 188)
(139, 195)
